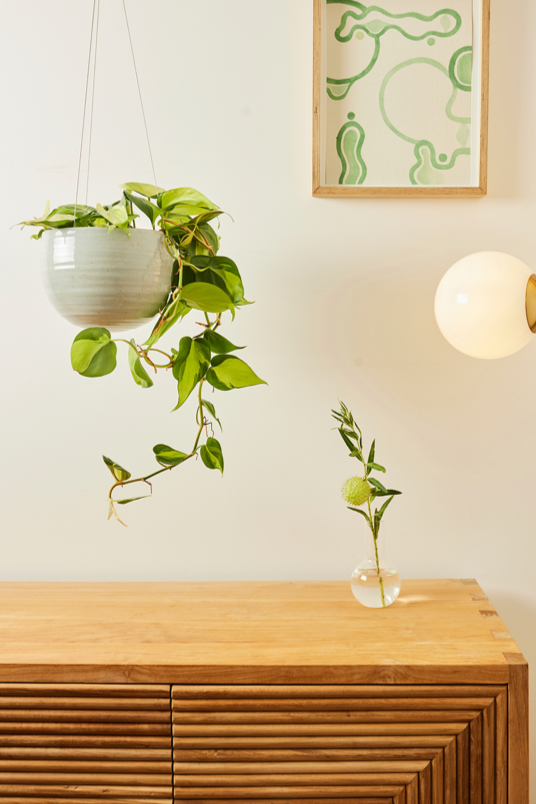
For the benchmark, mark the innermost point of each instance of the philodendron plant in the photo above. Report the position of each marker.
(363, 489)
(202, 281)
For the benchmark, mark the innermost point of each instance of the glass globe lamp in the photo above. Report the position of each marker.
(485, 305)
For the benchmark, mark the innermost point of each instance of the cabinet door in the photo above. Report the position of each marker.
(85, 743)
(377, 744)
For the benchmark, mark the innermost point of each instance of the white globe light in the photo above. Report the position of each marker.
(482, 303)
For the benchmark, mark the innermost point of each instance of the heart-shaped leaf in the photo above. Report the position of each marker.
(139, 374)
(218, 344)
(147, 190)
(211, 454)
(167, 456)
(190, 365)
(208, 298)
(186, 197)
(228, 372)
(117, 471)
(93, 353)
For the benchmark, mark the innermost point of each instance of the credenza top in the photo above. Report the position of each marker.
(438, 631)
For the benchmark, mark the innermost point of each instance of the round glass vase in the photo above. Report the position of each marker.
(375, 583)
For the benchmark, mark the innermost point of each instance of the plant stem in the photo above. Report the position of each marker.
(201, 416)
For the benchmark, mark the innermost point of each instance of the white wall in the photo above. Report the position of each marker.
(344, 308)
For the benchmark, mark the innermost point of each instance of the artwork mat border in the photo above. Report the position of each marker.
(345, 191)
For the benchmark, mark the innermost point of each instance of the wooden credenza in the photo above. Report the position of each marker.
(288, 693)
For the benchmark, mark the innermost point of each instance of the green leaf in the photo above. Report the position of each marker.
(186, 197)
(349, 444)
(376, 466)
(384, 506)
(211, 454)
(139, 374)
(372, 452)
(148, 190)
(222, 272)
(116, 215)
(93, 353)
(358, 511)
(170, 315)
(167, 456)
(190, 366)
(228, 372)
(147, 207)
(218, 344)
(212, 410)
(131, 499)
(377, 484)
(117, 471)
(208, 298)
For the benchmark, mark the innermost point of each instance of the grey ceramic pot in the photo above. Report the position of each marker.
(97, 278)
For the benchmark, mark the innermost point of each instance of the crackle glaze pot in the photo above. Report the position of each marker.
(96, 278)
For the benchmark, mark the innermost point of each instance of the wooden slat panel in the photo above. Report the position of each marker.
(73, 703)
(329, 742)
(46, 799)
(361, 791)
(412, 791)
(475, 761)
(87, 716)
(201, 718)
(363, 799)
(449, 758)
(87, 690)
(501, 748)
(51, 765)
(300, 767)
(488, 754)
(127, 779)
(326, 704)
(256, 691)
(55, 792)
(305, 755)
(438, 779)
(319, 730)
(82, 754)
(462, 759)
(86, 741)
(294, 779)
(425, 787)
(84, 728)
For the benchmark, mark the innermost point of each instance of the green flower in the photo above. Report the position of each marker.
(356, 491)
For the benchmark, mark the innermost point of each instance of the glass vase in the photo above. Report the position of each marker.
(375, 583)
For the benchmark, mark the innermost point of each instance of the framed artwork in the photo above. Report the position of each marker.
(400, 103)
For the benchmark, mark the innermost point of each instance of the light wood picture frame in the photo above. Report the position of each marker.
(376, 137)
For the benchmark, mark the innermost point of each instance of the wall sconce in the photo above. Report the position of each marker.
(485, 305)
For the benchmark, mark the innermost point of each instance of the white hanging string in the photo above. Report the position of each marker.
(84, 115)
(92, 97)
(139, 93)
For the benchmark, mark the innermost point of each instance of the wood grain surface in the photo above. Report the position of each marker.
(248, 633)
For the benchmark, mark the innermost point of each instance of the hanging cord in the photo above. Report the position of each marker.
(139, 92)
(84, 115)
(92, 97)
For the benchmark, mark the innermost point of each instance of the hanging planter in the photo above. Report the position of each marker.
(118, 279)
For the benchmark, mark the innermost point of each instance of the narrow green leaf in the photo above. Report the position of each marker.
(228, 372)
(206, 297)
(384, 506)
(370, 458)
(145, 206)
(131, 499)
(139, 374)
(374, 482)
(358, 511)
(212, 410)
(218, 344)
(376, 466)
(167, 456)
(348, 443)
(117, 471)
(211, 454)
(93, 353)
(189, 366)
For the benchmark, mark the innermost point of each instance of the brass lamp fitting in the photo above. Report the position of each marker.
(530, 303)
